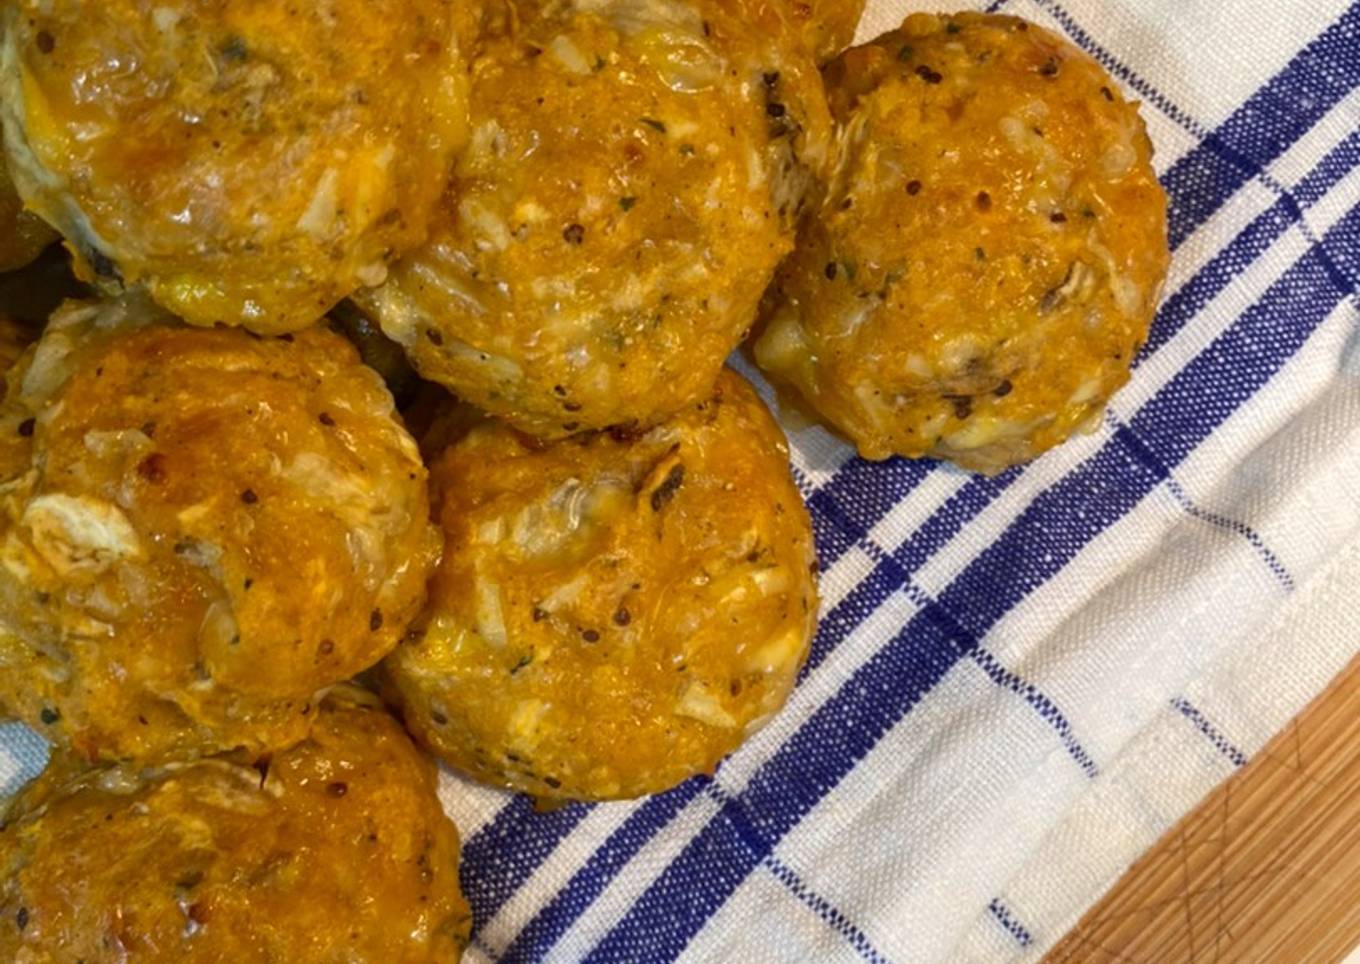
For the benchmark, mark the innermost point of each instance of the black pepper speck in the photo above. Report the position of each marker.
(103, 265)
(664, 492)
(963, 405)
(235, 49)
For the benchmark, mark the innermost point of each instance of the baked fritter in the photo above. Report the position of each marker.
(828, 26)
(635, 174)
(336, 850)
(990, 251)
(199, 531)
(613, 613)
(251, 162)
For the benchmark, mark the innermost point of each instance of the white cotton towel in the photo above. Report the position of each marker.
(1021, 682)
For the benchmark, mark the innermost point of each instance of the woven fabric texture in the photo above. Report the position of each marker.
(1021, 682)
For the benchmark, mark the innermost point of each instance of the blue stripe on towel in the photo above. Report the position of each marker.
(1003, 916)
(1060, 522)
(1220, 742)
(501, 856)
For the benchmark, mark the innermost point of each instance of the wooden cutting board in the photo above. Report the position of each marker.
(1266, 869)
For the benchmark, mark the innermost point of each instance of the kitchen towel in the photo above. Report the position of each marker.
(1021, 682)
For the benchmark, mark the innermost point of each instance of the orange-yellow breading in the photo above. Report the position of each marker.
(990, 251)
(199, 530)
(828, 26)
(251, 162)
(612, 614)
(334, 850)
(634, 177)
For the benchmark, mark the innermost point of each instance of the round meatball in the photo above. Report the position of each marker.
(199, 530)
(251, 162)
(635, 172)
(334, 850)
(613, 613)
(990, 252)
(828, 26)
(23, 235)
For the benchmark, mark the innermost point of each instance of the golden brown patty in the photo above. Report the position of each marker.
(828, 26)
(256, 163)
(612, 614)
(198, 531)
(635, 173)
(336, 850)
(23, 235)
(990, 251)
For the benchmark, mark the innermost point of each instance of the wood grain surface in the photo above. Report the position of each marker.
(1266, 869)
